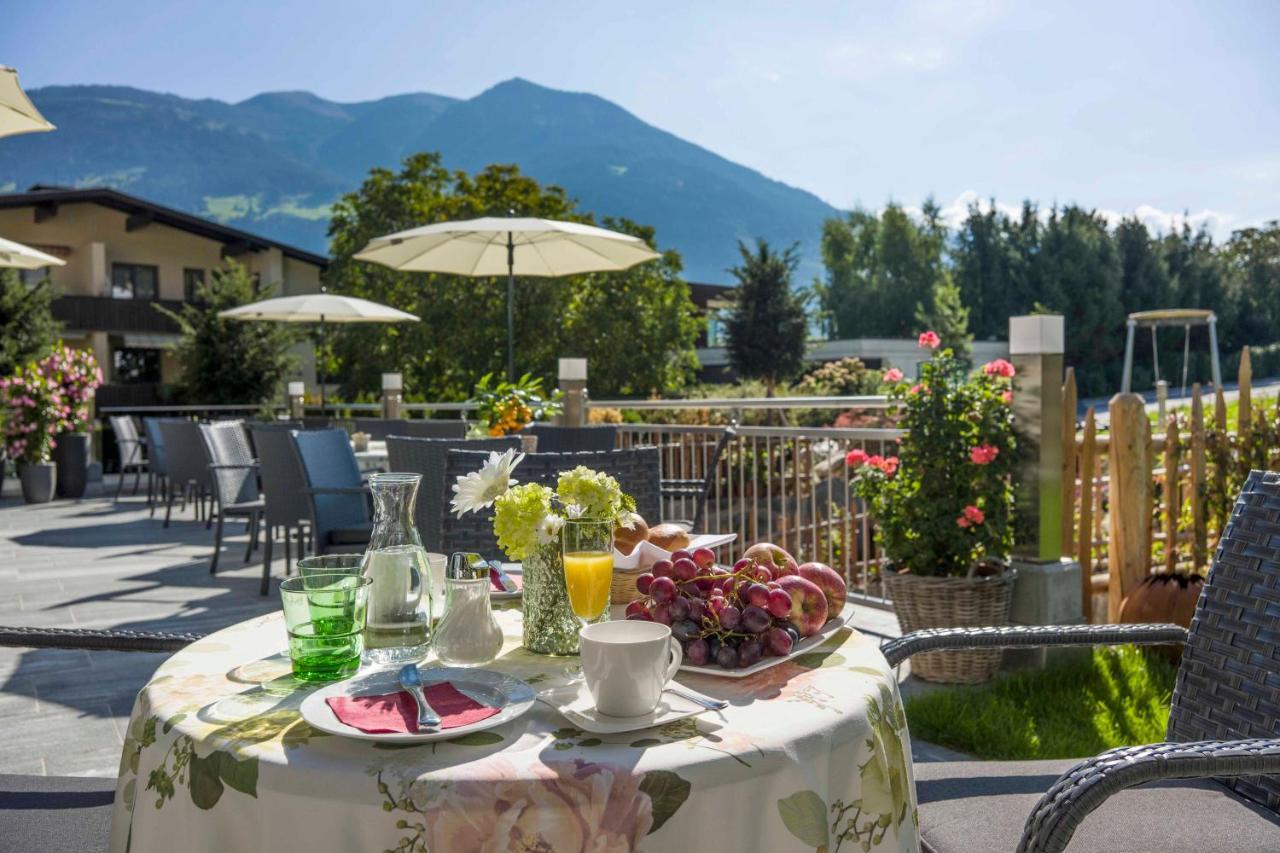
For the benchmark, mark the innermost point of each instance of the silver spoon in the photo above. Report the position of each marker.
(411, 680)
(706, 702)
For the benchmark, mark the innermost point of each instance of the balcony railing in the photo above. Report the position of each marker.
(105, 314)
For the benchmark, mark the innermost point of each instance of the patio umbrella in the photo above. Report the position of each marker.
(22, 257)
(494, 245)
(318, 308)
(17, 113)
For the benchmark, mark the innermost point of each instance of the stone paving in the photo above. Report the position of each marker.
(101, 563)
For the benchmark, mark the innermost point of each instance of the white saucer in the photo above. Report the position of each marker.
(575, 704)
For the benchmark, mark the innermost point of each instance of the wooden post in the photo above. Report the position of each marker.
(1128, 553)
(1084, 544)
(1244, 415)
(1199, 524)
(1069, 461)
(1172, 494)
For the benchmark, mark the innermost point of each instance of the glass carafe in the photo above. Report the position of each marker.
(468, 635)
(399, 613)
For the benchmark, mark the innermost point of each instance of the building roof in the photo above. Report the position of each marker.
(702, 293)
(41, 194)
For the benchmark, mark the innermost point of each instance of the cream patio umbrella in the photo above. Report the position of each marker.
(18, 256)
(497, 245)
(17, 113)
(320, 308)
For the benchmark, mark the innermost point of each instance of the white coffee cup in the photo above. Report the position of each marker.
(627, 664)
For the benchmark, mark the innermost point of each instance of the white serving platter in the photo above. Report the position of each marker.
(806, 644)
(646, 553)
(483, 685)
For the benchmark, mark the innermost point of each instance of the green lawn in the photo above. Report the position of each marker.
(1072, 709)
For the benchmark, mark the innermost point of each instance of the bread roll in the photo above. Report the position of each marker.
(669, 537)
(625, 539)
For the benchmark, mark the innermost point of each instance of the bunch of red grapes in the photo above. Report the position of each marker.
(732, 618)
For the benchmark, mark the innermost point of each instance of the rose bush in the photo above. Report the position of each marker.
(945, 501)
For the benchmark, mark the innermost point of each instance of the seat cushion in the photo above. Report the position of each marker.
(968, 806)
(350, 535)
(54, 814)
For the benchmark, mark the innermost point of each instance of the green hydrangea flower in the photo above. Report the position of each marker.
(592, 494)
(518, 518)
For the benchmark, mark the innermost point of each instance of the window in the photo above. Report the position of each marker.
(134, 281)
(134, 365)
(192, 278)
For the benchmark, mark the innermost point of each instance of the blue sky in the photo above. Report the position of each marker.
(1153, 107)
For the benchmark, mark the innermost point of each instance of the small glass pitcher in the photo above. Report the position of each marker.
(469, 635)
(399, 615)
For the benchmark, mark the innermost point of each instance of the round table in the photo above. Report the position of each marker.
(812, 754)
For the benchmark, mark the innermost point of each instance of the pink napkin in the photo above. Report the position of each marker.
(396, 713)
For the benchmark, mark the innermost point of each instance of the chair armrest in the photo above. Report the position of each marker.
(95, 640)
(232, 466)
(932, 639)
(1087, 785)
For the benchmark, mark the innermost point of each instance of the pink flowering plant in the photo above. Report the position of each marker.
(45, 398)
(944, 502)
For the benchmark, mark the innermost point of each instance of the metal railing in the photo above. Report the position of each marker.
(873, 402)
(786, 485)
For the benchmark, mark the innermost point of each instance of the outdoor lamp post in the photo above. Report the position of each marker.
(392, 395)
(297, 394)
(573, 382)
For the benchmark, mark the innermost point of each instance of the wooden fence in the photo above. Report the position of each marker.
(1136, 500)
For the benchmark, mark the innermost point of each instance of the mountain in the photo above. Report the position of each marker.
(275, 162)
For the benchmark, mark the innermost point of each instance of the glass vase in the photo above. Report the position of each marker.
(550, 626)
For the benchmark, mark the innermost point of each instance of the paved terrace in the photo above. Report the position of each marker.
(98, 563)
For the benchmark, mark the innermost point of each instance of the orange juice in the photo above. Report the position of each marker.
(588, 575)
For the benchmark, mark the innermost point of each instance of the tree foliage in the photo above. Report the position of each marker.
(28, 330)
(229, 361)
(637, 328)
(767, 327)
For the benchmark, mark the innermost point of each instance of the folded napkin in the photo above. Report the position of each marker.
(502, 582)
(397, 713)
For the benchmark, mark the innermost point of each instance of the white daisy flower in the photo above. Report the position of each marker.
(479, 489)
(549, 529)
(575, 511)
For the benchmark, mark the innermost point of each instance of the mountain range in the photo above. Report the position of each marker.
(274, 163)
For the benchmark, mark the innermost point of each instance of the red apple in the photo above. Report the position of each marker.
(773, 558)
(808, 604)
(829, 581)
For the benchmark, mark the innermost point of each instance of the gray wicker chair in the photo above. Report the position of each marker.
(67, 814)
(130, 445)
(234, 473)
(1217, 777)
(678, 493)
(187, 465)
(379, 428)
(284, 492)
(157, 466)
(580, 439)
(428, 457)
(636, 470)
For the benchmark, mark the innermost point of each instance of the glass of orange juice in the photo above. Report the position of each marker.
(588, 566)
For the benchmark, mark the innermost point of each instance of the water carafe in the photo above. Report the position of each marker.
(399, 610)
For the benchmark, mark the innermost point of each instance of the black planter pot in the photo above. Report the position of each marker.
(37, 482)
(72, 458)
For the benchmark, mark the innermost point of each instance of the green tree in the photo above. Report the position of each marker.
(462, 335)
(950, 319)
(28, 330)
(767, 326)
(1252, 262)
(229, 361)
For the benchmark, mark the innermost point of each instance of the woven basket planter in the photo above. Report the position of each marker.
(927, 602)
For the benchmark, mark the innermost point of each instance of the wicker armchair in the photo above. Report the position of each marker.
(578, 439)
(678, 492)
(636, 470)
(234, 474)
(1219, 770)
(379, 428)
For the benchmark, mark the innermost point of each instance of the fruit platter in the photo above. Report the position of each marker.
(735, 621)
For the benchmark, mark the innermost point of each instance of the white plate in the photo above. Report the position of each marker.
(806, 644)
(575, 704)
(646, 553)
(483, 685)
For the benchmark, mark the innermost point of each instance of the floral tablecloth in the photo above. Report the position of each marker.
(811, 755)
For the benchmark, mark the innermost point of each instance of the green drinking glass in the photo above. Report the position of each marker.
(324, 614)
(331, 564)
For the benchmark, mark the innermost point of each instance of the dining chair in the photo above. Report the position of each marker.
(188, 468)
(338, 501)
(635, 469)
(284, 491)
(428, 457)
(577, 439)
(234, 474)
(157, 467)
(130, 447)
(67, 814)
(379, 428)
(1213, 784)
(679, 492)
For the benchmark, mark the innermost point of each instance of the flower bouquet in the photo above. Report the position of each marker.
(527, 520)
(509, 407)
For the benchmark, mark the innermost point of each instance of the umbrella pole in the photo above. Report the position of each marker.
(320, 366)
(511, 298)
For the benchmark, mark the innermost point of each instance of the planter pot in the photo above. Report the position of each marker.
(37, 482)
(72, 458)
(1164, 597)
(973, 602)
